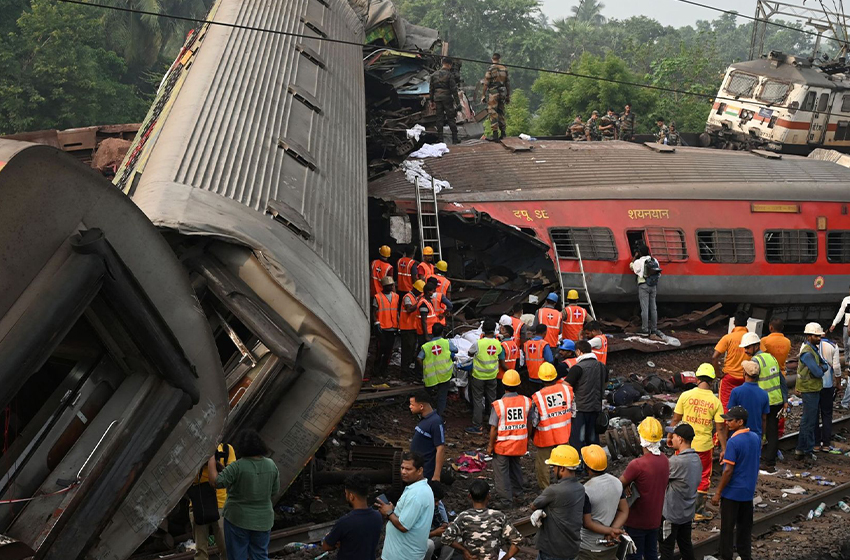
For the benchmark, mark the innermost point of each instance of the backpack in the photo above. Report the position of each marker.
(651, 271)
(655, 385)
(684, 380)
(204, 497)
(627, 394)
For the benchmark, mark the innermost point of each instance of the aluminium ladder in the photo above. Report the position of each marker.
(581, 289)
(429, 220)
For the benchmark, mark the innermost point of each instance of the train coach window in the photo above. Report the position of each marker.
(741, 85)
(842, 130)
(726, 245)
(845, 104)
(823, 102)
(665, 244)
(790, 246)
(838, 246)
(595, 244)
(774, 92)
(809, 102)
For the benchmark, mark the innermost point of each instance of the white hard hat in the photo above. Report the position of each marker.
(814, 328)
(505, 320)
(749, 339)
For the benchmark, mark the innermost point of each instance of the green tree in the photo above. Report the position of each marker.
(589, 11)
(518, 115)
(55, 73)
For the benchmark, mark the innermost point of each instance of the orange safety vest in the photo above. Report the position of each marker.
(602, 353)
(409, 319)
(517, 324)
(511, 355)
(533, 350)
(430, 321)
(387, 314)
(437, 299)
(512, 425)
(554, 404)
(552, 319)
(574, 318)
(571, 362)
(425, 270)
(379, 269)
(405, 274)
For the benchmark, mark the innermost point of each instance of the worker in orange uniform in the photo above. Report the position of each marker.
(427, 313)
(425, 269)
(406, 267)
(380, 267)
(548, 315)
(733, 371)
(441, 298)
(407, 321)
(574, 318)
(537, 352)
(511, 360)
(385, 306)
(552, 411)
(509, 438)
(776, 343)
(598, 341)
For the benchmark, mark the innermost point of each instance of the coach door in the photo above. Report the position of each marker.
(820, 119)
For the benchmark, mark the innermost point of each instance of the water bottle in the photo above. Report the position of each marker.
(844, 507)
(789, 528)
(820, 509)
(810, 515)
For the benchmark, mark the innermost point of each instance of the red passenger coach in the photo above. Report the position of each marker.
(725, 226)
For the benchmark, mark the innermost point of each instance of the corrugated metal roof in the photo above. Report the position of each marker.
(563, 170)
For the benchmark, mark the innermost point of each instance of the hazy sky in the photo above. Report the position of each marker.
(668, 12)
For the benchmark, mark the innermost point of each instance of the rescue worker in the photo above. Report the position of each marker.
(481, 532)
(520, 329)
(405, 268)
(511, 349)
(777, 344)
(407, 321)
(574, 318)
(427, 313)
(608, 508)
(552, 410)
(607, 129)
(772, 381)
(673, 138)
(566, 358)
(536, 351)
(442, 295)
(576, 130)
(614, 118)
(588, 378)
(487, 355)
(558, 510)
(425, 269)
(701, 409)
(810, 371)
(444, 99)
(663, 131)
(497, 88)
(385, 306)
(380, 267)
(509, 438)
(730, 344)
(598, 341)
(549, 315)
(591, 128)
(627, 124)
(437, 361)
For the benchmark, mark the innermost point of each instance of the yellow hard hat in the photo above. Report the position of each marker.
(511, 378)
(594, 457)
(572, 294)
(385, 251)
(419, 285)
(442, 266)
(706, 370)
(650, 429)
(428, 251)
(564, 456)
(547, 372)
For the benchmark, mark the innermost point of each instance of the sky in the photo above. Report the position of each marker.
(668, 12)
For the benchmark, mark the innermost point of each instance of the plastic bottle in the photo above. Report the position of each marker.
(789, 528)
(820, 509)
(811, 515)
(844, 507)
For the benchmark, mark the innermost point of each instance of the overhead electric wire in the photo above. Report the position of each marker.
(709, 97)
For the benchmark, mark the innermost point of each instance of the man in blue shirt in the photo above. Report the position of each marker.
(738, 485)
(753, 398)
(356, 534)
(429, 437)
(409, 522)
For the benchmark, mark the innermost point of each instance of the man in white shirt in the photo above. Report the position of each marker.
(646, 294)
(843, 317)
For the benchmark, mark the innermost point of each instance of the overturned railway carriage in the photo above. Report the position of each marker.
(253, 165)
(781, 103)
(111, 390)
(725, 226)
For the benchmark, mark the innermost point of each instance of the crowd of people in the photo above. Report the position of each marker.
(613, 126)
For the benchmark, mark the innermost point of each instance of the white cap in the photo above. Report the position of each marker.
(749, 339)
(505, 320)
(814, 328)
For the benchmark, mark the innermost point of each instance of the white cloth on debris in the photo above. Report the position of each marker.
(413, 169)
(653, 447)
(431, 150)
(415, 131)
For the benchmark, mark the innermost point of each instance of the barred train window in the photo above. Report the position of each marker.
(741, 84)
(774, 92)
(666, 244)
(726, 245)
(790, 246)
(838, 246)
(595, 244)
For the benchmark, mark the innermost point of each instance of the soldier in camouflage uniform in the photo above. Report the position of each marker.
(663, 131)
(481, 532)
(576, 130)
(616, 120)
(497, 94)
(591, 128)
(673, 138)
(607, 129)
(627, 124)
(444, 99)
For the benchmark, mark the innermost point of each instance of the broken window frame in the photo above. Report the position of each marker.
(662, 244)
(791, 244)
(596, 243)
(728, 246)
(838, 241)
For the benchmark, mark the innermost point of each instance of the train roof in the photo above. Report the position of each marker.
(787, 72)
(564, 170)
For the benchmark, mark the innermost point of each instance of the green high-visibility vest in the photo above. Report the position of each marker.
(437, 365)
(770, 378)
(806, 382)
(485, 365)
